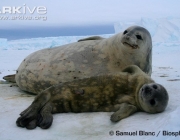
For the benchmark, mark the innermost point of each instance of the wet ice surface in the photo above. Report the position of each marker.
(166, 71)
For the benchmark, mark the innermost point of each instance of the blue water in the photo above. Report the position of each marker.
(55, 31)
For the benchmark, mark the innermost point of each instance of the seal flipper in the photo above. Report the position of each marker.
(10, 78)
(30, 116)
(91, 38)
(132, 69)
(32, 124)
(45, 119)
(124, 111)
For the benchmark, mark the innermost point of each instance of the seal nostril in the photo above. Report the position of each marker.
(154, 86)
(152, 102)
(147, 89)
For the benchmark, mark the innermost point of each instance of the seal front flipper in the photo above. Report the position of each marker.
(124, 111)
(132, 69)
(45, 118)
(91, 38)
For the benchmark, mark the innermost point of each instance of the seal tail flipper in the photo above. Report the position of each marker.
(10, 78)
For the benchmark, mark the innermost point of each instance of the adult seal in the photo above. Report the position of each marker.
(87, 58)
(123, 93)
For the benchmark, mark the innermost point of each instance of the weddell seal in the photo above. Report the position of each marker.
(124, 93)
(89, 57)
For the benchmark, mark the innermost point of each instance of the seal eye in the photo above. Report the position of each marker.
(152, 102)
(139, 37)
(125, 32)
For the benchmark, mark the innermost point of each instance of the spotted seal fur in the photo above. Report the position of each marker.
(123, 93)
(87, 58)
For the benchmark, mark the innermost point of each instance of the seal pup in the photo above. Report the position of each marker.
(123, 93)
(87, 58)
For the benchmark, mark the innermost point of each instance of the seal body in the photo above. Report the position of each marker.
(86, 58)
(124, 93)
(99, 93)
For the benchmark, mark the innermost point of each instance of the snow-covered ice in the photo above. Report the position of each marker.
(40, 43)
(161, 29)
(166, 71)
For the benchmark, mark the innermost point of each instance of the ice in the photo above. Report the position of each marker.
(150, 24)
(3, 43)
(10, 60)
(161, 30)
(94, 125)
(40, 43)
(165, 34)
(120, 26)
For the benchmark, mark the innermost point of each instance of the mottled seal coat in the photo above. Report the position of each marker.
(88, 57)
(123, 93)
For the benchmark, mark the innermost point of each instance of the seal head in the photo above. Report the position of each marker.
(153, 98)
(135, 36)
(137, 40)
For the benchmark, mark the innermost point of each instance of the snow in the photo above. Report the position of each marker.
(40, 43)
(166, 71)
(3, 42)
(161, 29)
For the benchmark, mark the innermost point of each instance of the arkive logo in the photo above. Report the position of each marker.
(23, 10)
